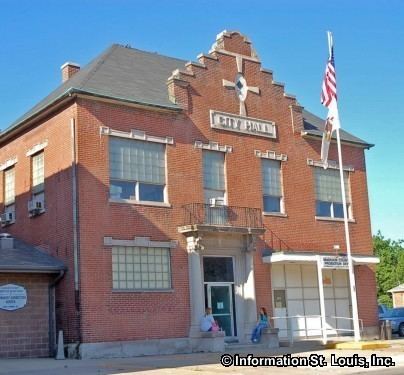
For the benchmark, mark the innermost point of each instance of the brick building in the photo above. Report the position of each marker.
(166, 186)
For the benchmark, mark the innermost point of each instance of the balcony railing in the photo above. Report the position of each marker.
(222, 216)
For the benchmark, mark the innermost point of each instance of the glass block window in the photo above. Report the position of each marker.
(272, 185)
(140, 268)
(38, 173)
(214, 182)
(137, 170)
(328, 193)
(9, 186)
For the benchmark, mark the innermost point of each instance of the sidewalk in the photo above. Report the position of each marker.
(202, 363)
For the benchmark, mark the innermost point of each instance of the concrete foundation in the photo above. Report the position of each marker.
(270, 338)
(210, 342)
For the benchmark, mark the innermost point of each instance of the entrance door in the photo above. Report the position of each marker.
(219, 291)
(220, 299)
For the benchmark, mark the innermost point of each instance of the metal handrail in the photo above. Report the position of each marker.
(221, 215)
(290, 330)
(276, 244)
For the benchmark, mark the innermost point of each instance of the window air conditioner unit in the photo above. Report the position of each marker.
(7, 218)
(35, 206)
(216, 202)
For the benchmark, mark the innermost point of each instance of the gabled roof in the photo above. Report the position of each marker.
(26, 258)
(314, 126)
(136, 76)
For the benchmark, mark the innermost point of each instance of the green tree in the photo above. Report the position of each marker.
(390, 271)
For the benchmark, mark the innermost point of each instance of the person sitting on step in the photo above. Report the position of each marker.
(262, 323)
(208, 323)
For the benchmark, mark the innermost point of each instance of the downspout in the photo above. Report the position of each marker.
(76, 245)
(52, 313)
(291, 116)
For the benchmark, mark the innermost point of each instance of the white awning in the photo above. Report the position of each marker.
(296, 257)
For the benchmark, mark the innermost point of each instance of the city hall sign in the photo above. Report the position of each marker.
(242, 124)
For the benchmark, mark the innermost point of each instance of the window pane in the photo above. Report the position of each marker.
(338, 210)
(122, 189)
(9, 186)
(328, 186)
(213, 170)
(271, 177)
(38, 176)
(131, 271)
(323, 209)
(148, 192)
(272, 204)
(134, 160)
(218, 269)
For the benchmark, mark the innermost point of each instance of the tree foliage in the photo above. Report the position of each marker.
(390, 271)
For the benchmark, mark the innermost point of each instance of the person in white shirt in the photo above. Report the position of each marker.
(207, 321)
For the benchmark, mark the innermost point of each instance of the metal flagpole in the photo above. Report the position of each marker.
(352, 284)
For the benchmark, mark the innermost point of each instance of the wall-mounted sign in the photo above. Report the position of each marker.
(241, 124)
(12, 297)
(329, 261)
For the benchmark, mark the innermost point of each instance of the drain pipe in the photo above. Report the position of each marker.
(52, 320)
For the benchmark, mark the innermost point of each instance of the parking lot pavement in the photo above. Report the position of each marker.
(206, 364)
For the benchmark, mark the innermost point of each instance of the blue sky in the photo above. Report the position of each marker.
(38, 37)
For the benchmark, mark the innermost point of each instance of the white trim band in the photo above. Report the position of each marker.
(332, 164)
(281, 257)
(140, 242)
(136, 134)
(38, 147)
(270, 155)
(213, 146)
(8, 163)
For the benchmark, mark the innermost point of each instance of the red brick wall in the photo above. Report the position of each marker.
(25, 332)
(52, 231)
(367, 295)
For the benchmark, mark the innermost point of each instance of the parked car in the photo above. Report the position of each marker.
(383, 309)
(396, 317)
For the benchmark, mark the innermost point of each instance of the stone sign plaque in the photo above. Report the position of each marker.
(242, 124)
(12, 297)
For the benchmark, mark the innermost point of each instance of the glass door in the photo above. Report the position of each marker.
(221, 301)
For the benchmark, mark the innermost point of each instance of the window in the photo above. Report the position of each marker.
(9, 186)
(272, 186)
(37, 204)
(140, 268)
(9, 197)
(328, 193)
(38, 175)
(137, 170)
(213, 175)
(214, 184)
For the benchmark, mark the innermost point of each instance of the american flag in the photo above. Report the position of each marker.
(329, 100)
(329, 89)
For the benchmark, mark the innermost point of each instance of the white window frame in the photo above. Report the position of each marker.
(11, 201)
(9, 206)
(205, 189)
(136, 200)
(38, 190)
(281, 198)
(332, 203)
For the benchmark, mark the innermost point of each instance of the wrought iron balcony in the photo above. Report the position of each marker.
(200, 216)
